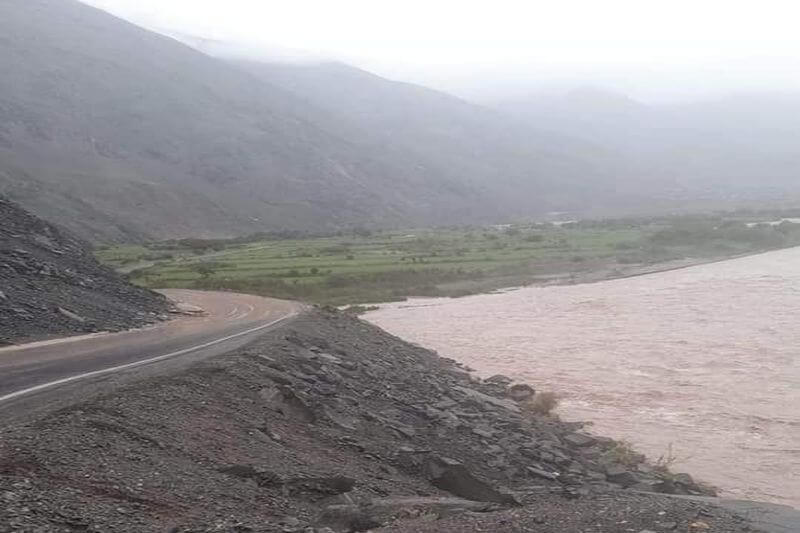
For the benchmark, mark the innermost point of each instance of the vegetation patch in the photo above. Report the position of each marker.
(359, 266)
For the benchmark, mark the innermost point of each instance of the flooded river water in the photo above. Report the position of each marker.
(706, 359)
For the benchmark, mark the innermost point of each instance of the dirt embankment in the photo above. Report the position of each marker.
(51, 284)
(328, 424)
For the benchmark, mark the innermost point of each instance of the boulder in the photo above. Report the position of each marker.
(330, 485)
(452, 476)
(349, 365)
(487, 401)
(619, 475)
(520, 392)
(499, 379)
(286, 401)
(70, 315)
(542, 473)
(579, 440)
(330, 358)
(263, 478)
(183, 308)
(483, 431)
(652, 485)
(346, 517)
(447, 403)
(278, 377)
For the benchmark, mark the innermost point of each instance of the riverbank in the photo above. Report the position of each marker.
(592, 274)
(330, 423)
(650, 359)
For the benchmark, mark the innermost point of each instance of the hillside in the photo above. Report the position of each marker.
(521, 169)
(50, 284)
(739, 147)
(119, 134)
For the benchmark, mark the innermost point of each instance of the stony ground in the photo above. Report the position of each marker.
(615, 512)
(50, 284)
(329, 424)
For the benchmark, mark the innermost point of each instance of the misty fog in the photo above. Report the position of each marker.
(494, 51)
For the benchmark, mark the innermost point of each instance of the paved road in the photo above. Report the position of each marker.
(230, 320)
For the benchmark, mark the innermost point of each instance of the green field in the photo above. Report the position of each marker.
(360, 267)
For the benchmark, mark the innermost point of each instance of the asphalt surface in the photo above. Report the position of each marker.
(228, 321)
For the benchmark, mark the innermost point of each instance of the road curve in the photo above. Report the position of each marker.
(230, 320)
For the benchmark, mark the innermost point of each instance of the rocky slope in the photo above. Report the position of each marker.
(329, 424)
(50, 284)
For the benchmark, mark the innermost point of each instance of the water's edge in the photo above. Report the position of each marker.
(678, 355)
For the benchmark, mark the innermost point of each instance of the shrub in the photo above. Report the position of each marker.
(540, 404)
(338, 249)
(362, 232)
(624, 454)
(666, 460)
(208, 268)
(786, 227)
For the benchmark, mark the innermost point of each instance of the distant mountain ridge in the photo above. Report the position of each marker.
(121, 134)
(523, 169)
(743, 145)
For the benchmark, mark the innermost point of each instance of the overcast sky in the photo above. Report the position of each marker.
(651, 49)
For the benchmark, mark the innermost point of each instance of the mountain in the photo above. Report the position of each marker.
(735, 147)
(122, 134)
(518, 169)
(153, 136)
(52, 284)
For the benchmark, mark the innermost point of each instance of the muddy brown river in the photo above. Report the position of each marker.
(704, 359)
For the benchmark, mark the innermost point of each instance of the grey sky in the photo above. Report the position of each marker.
(650, 49)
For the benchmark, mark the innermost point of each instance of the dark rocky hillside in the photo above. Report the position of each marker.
(50, 284)
(119, 133)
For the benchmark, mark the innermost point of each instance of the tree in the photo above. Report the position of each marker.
(206, 270)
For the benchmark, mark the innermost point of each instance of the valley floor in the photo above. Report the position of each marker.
(365, 267)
